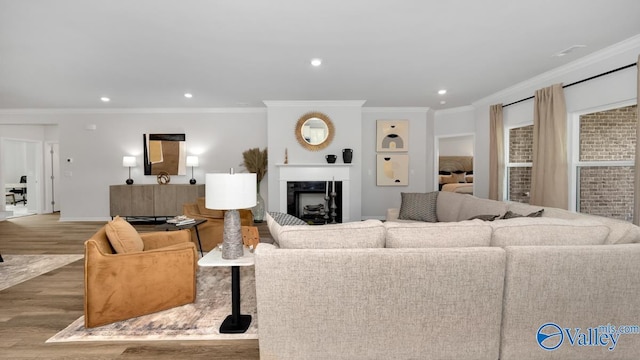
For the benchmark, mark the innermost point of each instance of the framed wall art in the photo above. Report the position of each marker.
(392, 170)
(392, 136)
(164, 154)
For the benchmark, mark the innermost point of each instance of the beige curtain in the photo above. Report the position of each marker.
(549, 173)
(636, 189)
(496, 152)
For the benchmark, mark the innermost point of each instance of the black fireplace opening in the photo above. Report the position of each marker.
(306, 200)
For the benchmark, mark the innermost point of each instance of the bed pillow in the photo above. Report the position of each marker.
(419, 206)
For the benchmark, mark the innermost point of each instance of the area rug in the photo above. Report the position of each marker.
(198, 321)
(20, 268)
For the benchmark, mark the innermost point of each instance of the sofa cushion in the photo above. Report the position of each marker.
(526, 231)
(359, 234)
(472, 206)
(443, 234)
(448, 206)
(123, 237)
(419, 206)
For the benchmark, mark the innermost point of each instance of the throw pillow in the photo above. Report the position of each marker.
(459, 177)
(485, 217)
(123, 237)
(419, 206)
(286, 219)
(510, 214)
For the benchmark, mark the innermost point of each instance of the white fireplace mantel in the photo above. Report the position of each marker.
(315, 172)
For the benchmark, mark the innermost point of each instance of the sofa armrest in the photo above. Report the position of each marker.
(122, 286)
(161, 239)
(574, 287)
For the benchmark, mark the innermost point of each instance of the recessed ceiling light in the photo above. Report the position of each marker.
(105, 99)
(316, 62)
(442, 102)
(188, 95)
(442, 92)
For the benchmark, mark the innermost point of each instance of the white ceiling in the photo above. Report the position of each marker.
(237, 53)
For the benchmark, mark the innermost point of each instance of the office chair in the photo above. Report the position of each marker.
(21, 191)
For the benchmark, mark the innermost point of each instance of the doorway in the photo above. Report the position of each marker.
(21, 160)
(460, 145)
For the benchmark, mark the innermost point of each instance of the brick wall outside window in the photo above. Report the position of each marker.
(520, 151)
(607, 136)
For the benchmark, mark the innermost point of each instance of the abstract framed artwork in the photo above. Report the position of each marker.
(392, 170)
(164, 153)
(392, 136)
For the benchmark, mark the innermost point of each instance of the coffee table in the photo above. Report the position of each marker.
(235, 323)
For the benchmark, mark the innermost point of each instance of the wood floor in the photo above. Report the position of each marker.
(35, 310)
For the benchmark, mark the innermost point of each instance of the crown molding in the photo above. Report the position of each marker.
(43, 111)
(553, 76)
(455, 110)
(395, 109)
(313, 103)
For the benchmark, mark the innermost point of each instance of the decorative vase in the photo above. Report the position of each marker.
(347, 155)
(258, 210)
(331, 158)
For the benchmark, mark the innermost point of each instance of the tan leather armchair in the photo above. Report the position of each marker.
(211, 231)
(122, 286)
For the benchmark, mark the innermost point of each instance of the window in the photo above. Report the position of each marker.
(520, 155)
(605, 163)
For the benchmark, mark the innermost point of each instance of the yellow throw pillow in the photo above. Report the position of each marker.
(123, 237)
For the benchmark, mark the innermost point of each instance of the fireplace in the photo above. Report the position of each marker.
(316, 177)
(311, 201)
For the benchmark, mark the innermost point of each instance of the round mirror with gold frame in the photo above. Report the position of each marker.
(314, 131)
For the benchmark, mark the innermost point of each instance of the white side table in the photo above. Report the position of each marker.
(234, 323)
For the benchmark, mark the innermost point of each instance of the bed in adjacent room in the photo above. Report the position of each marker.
(456, 174)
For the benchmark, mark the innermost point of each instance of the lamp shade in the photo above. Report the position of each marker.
(129, 161)
(192, 161)
(230, 191)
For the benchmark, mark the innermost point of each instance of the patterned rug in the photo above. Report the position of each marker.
(198, 321)
(19, 268)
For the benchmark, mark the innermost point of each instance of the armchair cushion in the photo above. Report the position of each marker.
(123, 237)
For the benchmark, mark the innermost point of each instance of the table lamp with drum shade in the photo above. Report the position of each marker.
(193, 162)
(231, 192)
(129, 161)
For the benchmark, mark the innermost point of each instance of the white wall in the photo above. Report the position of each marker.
(377, 199)
(217, 136)
(282, 118)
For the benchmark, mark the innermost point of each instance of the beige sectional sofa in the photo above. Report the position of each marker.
(453, 289)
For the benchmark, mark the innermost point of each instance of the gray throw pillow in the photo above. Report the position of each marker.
(510, 214)
(286, 219)
(485, 217)
(419, 206)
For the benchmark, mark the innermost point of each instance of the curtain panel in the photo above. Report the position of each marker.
(496, 152)
(636, 182)
(549, 172)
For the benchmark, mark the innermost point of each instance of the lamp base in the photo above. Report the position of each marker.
(192, 181)
(129, 181)
(232, 247)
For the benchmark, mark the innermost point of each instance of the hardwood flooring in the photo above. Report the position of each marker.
(35, 310)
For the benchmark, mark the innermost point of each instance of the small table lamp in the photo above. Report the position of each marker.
(193, 162)
(231, 192)
(129, 161)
